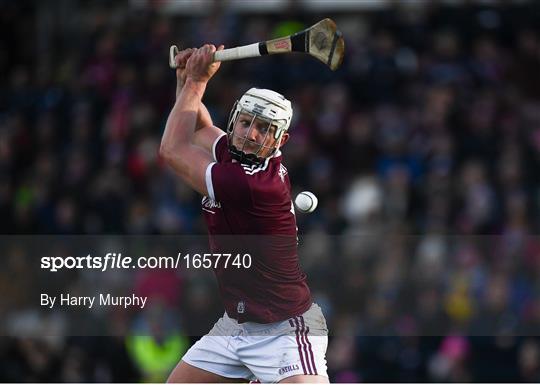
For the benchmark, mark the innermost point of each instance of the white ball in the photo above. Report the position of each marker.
(306, 202)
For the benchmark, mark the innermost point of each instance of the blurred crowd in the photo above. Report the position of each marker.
(423, 149)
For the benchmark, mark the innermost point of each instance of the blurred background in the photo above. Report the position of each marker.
(423, 149)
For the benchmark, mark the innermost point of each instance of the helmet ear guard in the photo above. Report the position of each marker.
(266, 105)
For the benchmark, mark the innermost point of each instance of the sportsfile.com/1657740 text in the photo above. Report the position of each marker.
(117, 261)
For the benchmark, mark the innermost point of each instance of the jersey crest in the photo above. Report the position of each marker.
(210, 205)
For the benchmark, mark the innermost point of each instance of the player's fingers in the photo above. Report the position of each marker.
(210, 53)
(207, 48)
(200, 51)
(178, 60)
(183, 56)
(202, 56)
(186, 52)
(194, 57)
(204, 53)
(221, 47)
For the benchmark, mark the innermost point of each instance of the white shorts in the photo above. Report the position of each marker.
(267, 352)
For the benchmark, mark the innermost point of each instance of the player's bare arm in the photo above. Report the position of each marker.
(177, 148)
(205, 132)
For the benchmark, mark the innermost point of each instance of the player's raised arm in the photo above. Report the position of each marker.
(177, 148)
(205, 132)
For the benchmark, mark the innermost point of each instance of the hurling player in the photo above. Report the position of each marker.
(271, 330)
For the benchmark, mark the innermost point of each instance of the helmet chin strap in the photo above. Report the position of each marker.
(242, 157)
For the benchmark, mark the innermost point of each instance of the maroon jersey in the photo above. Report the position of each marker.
(250, 209)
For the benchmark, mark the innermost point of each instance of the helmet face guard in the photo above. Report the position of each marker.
(249, 151)
(268, 112)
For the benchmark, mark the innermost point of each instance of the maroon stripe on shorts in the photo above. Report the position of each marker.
(304, 343)
(297, 331)
(311, 355)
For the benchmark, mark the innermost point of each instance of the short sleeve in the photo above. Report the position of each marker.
(227, 183)
(219, 148)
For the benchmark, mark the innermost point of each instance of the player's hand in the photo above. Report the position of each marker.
(200, 66)
(181, 59)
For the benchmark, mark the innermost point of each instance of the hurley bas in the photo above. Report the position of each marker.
(67, 299)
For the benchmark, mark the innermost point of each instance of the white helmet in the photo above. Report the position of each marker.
(262, 104)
